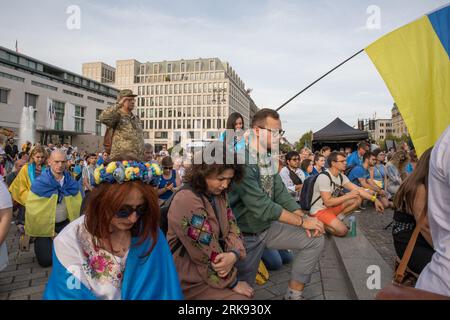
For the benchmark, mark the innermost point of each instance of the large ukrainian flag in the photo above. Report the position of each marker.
(414, 62)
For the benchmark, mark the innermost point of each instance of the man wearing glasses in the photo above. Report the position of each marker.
(329, 202)
(292, 175)
(267, 215)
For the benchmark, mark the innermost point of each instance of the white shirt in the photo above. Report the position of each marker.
(5, 202)
(435, 277)
(323, 184)
(284, 174)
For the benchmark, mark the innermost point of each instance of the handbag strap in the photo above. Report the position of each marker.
(400, 272)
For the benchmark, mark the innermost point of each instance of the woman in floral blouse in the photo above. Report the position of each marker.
(203, 234)
(116, 250)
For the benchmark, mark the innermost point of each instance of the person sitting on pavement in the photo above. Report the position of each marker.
(268, 215)
(115, 251)
(325, 151)
(203, 233)
(169, 181)
(53, 201)
(307, 168)
(356, 157)
(291, 174)
(411, 206)
(412, 162)
(330, 204)
(5, 222)
(435, 277)
(319, 164)
(378, 171)
(396, 172)
(360, 176)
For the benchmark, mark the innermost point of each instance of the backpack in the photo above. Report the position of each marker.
(306, 196)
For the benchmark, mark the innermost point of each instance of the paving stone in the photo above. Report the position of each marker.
(278, 289)
(334, 295)
(334, 284)
(27, 291)
(14, 273)
(281, 277)
(321, 297)
(263, 294)
(4, 295)
(14, 286)
(39, 281)
(30, 276)
(28, 265)
(6, 280)
(19, 298)
(313, 291)
(11, 267)
(36, 296)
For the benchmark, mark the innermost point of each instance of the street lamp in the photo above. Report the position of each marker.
(219, 92)
(219, 96)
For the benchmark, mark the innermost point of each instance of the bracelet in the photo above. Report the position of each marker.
(374, 198)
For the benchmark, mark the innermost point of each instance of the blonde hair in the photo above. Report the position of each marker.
(37, 149)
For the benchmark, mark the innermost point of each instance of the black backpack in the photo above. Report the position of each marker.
(306, 201)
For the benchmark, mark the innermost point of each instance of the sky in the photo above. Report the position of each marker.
(277, 47)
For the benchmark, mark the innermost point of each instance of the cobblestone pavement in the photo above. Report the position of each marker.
(24, 279)
(374, 226)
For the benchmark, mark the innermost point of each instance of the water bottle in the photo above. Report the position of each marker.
(352, 231)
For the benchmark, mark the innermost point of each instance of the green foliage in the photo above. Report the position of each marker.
(304, 141)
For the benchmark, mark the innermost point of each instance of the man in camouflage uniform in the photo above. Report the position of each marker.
(128, 134)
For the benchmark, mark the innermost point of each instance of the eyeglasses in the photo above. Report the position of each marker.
(343, 161)
(274, 132)
(126, 211)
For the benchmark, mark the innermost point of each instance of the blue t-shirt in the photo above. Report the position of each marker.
(354, 159)
(409, 168)
(164, 182)
(358, 172)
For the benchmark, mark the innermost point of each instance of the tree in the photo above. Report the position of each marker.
(304, 141)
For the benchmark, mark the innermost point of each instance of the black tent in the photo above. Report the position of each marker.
(338, 135)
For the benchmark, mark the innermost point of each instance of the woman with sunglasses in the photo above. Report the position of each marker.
(169, 180)
(203, 233)
(116, 250)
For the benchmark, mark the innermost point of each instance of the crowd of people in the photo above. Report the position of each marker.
(130, 223)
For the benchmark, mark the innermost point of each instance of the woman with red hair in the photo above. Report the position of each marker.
(116, 250)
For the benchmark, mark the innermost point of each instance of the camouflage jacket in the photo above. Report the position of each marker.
(128, 135)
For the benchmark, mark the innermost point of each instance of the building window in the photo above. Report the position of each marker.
(30, 100)
(183, 67)
(98, 125)
(169, 68)
(212, 65)
(59, 115)
(79, 118)
(4, 95)
(155, 68)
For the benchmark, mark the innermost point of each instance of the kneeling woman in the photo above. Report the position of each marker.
(203, 234)
(116, 250)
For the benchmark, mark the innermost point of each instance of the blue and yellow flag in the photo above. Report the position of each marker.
(414, 62)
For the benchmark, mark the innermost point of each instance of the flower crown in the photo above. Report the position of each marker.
(123, 171)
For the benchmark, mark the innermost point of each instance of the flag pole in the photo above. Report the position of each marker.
(317, 80)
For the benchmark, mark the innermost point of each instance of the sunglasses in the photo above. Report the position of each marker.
(295, 159)
(167, 168)
(126, 211)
